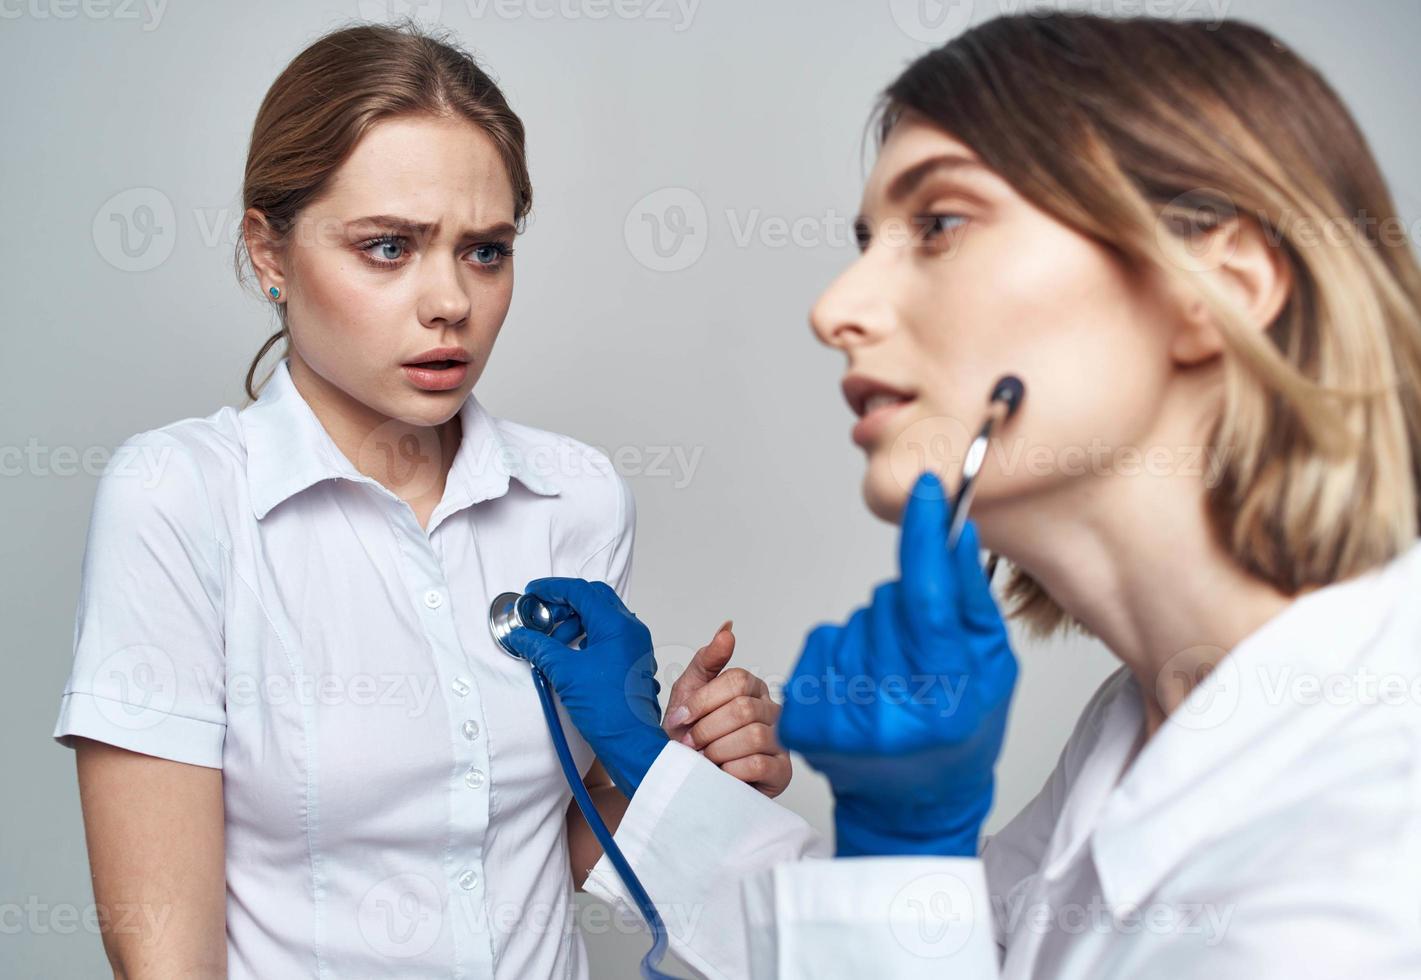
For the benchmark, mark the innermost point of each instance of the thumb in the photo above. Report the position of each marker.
(538, 649)
(705, 666)
(711, 659)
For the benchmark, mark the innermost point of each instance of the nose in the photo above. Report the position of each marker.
(444, 300)
(856, 308)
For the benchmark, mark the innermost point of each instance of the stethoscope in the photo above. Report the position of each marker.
(508, 612)
(512, 610)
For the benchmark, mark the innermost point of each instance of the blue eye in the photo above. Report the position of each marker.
(385, 241)
(379, 251)
(492, 253)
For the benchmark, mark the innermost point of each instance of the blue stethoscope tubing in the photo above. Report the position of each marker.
(652, 960)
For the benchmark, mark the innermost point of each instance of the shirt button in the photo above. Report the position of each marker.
(470, 729)
(433, 599)
(461, 686)
(468, 880)
(474, 778)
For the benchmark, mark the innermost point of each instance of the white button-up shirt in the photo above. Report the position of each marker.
(1271, 827)
(250, 601)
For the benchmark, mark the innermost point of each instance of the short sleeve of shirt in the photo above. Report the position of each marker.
(612, 563)
(149, 664)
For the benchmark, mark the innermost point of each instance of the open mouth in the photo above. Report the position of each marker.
(439, 374)
(877, 405)
(866, 395)
(882, 400)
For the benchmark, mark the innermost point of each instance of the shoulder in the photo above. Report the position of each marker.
(181, 472)
(589, 487)
(1344, 679)
(213, 443)
(1313, 746)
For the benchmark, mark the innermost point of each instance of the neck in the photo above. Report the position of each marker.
(1134, 559)
(409, 459)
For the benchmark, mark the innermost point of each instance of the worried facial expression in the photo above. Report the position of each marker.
(408, 251)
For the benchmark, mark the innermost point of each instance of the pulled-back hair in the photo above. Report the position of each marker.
(331, 93)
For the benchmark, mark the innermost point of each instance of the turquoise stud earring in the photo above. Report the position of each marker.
(274, 292)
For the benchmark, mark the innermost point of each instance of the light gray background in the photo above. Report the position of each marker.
(750, 112)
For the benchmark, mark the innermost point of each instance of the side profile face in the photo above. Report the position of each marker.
(409, 250)
(961, 280)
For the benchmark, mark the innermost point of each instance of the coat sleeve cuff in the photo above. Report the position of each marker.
(904, 917)
(692, 833)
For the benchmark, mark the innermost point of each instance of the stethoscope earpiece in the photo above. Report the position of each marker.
(1002, 404)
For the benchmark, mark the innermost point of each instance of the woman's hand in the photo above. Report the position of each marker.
(904, 707)
(729, 717)
(608, 686)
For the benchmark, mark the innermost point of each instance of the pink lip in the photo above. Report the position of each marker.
(437, 379)
(871, 427)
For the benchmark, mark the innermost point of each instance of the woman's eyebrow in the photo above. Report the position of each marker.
(419, 229)
(908, 181)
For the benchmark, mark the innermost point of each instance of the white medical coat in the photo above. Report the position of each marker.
(1270, 828)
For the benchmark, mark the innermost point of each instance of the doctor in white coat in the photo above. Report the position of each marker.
(1215, 471)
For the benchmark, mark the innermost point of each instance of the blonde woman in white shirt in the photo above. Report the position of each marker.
(1175, 235)
(300, 752)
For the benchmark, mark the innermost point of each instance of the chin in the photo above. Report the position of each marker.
(885, 496)
(428, 408)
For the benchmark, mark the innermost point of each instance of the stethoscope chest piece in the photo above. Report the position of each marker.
(511, 610)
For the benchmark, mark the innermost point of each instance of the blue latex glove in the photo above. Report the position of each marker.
(904, 707)
(609, 686)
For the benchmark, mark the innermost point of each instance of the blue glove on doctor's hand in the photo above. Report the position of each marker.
(904, 707)
(609, 686)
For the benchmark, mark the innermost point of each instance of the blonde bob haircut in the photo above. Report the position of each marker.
(1146, 134)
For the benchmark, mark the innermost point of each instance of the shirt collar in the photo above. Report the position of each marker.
(1233, 733)
(288, 450)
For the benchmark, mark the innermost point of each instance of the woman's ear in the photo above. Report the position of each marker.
(264, 248)
(1240, 259)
